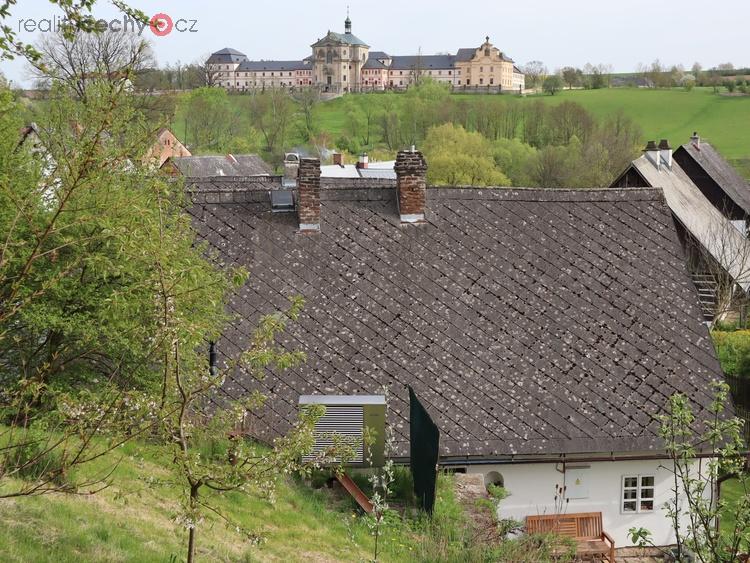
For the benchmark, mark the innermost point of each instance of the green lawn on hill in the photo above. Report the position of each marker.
(133, 520)
(672, 114)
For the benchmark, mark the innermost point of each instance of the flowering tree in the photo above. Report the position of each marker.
(700, 460)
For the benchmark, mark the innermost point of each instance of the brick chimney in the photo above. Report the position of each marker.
(308, 195)
(338, 159)
(363, 161)
(696, 140)
(411, 183)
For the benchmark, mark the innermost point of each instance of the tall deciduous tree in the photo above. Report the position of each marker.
(535, 72)
(272, 113)
(81, 59)
(83, 224)
(208, 118)
(552, 84)
(459, 157)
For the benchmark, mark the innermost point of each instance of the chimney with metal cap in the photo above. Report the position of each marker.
(652, 153)
(291, 170)
(665, 153)
(695, 140)
(308, 195)
(411, 183)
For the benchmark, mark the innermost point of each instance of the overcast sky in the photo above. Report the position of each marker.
(559, 33)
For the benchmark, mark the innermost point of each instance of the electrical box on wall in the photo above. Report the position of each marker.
(577, 482)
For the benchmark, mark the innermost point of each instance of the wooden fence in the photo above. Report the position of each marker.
(740, 387)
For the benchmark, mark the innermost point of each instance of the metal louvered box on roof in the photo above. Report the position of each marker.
(347, 416)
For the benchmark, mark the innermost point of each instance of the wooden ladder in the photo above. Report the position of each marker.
(707, 288)
(355, 491)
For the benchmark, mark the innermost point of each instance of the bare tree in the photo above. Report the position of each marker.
(203, 73)
(271, 113)
(535, 72)
(307, 99)
(82, 58)
(720, 266)
(417, 69)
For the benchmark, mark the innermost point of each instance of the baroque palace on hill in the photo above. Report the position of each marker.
(342, 62)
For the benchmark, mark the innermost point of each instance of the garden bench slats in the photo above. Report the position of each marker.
(583, 527)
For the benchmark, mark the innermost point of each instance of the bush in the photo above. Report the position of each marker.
(733, 349)
(36, 460)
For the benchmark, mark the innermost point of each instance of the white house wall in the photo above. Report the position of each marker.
(532, 490)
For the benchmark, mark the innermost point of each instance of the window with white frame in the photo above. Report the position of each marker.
(637, 493)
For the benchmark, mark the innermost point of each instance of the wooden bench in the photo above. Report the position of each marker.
(585, 528)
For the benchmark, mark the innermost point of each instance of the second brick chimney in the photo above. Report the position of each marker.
(411, 183)
(308, 195)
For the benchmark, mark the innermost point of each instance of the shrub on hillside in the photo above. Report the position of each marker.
(733, 349)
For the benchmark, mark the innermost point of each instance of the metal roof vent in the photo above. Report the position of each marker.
(347, 416)
(291, 169)
(282, 201)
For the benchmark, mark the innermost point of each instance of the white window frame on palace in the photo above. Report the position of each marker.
(634, 493)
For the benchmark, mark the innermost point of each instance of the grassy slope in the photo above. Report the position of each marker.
(133, 521)
(671, 114)
(724, 121)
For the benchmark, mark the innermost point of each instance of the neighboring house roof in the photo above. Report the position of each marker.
(213, 166)
(379, 169)
(272, 65)
(720, 171)
(339, 171)
(378, 55)
(165, 146)
(410, 62)
(517, 70)
(226, 55)
(374, 172)
(528, 322)
(466, 54)
(228, 51)
(703, 221)
(373, 63)
(346, 38)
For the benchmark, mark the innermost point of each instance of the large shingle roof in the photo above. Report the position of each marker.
(703, 221)
(273, 65)
(346, 38)
(527, 321)
(217, 166)
(409, 62)
(720, 171)
(226, 55)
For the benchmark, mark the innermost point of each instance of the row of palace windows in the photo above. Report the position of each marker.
(296, 72)
(299, 83)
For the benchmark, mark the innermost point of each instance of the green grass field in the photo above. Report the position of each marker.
(724, 121)
(674, 114)
(134, 520)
